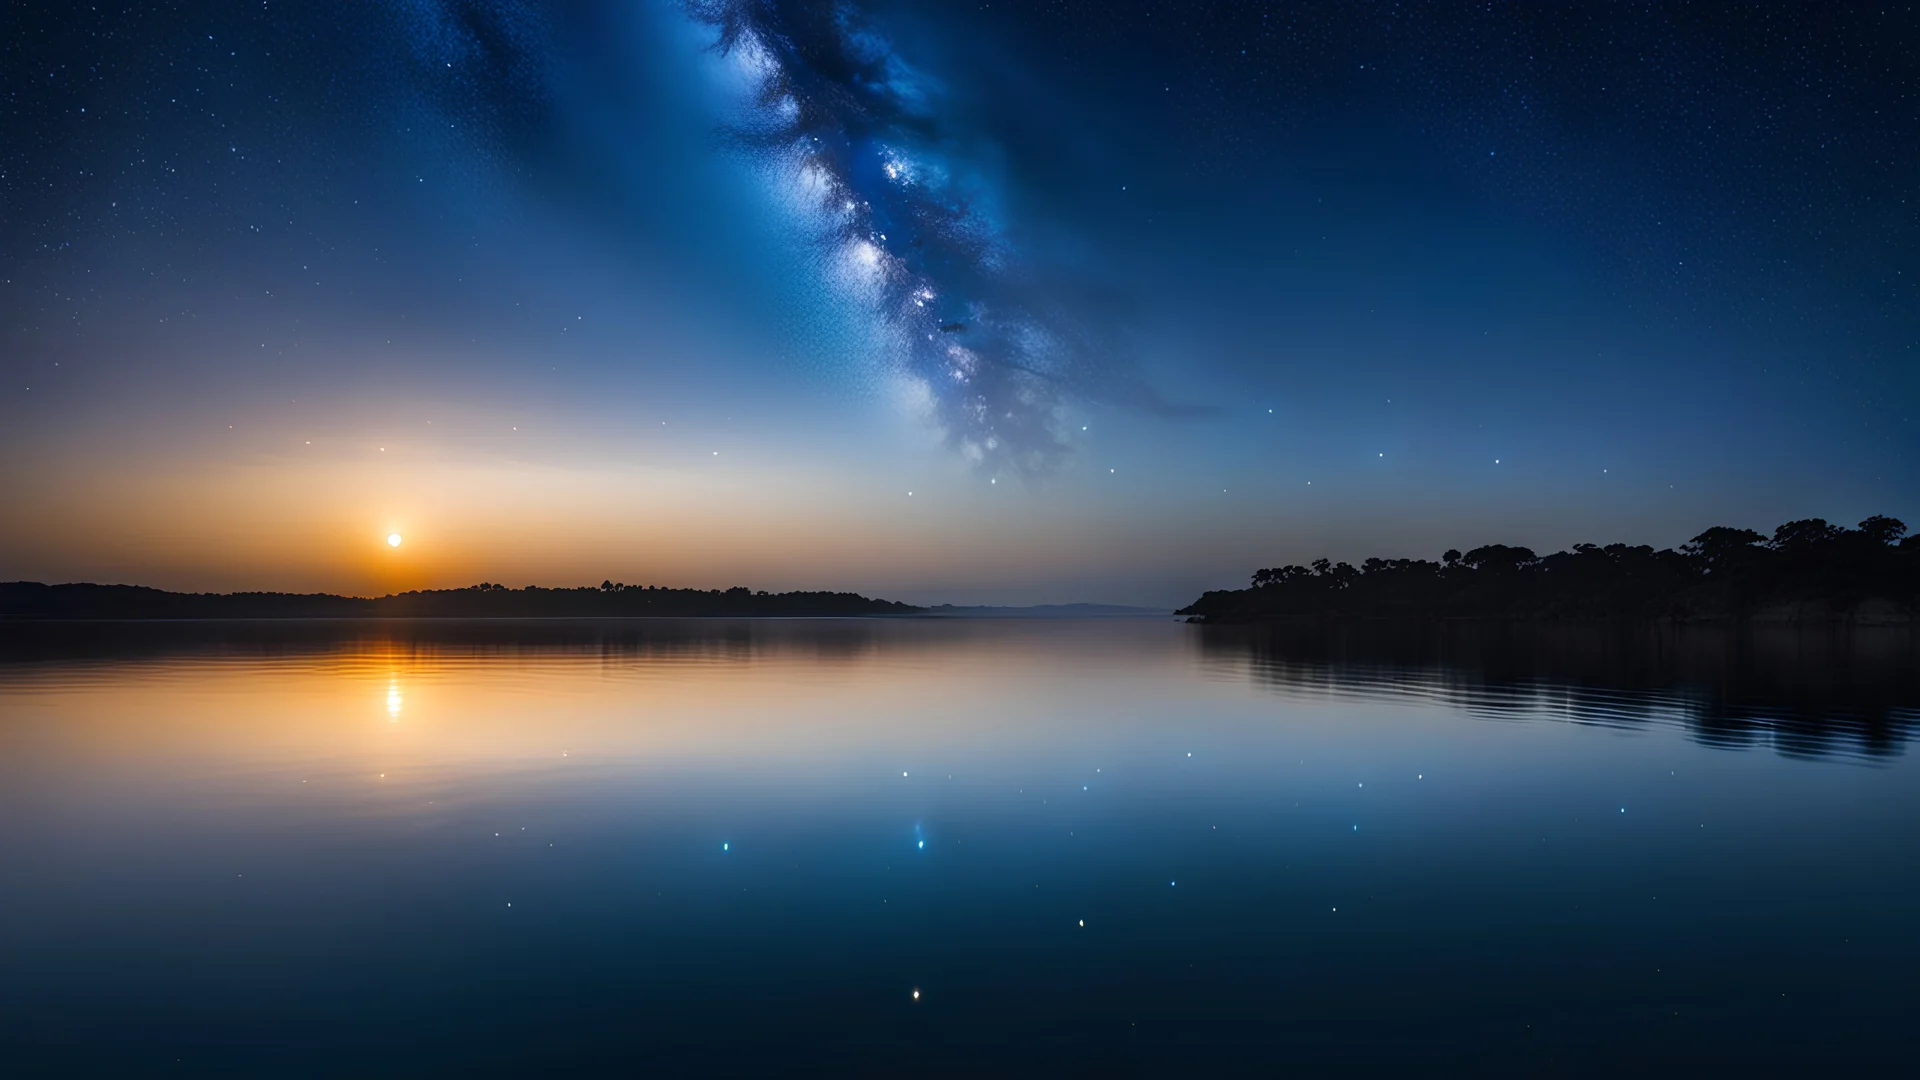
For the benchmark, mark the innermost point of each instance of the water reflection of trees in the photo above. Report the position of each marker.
(1803, 691)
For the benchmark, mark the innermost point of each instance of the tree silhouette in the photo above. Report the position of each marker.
(1883, 530)
(1721, 548)
(1806, 569)
(1498, 558)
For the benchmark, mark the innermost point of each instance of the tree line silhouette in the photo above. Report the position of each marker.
(31, 599)
(1807, 569)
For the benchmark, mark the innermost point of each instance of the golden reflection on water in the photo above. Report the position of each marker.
(405, 707)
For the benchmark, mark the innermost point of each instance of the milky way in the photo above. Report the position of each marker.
(927, 285)
(906, 225)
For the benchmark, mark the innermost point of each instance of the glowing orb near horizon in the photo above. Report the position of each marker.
(393, 539)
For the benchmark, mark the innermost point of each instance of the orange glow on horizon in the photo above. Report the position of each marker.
(296, 525)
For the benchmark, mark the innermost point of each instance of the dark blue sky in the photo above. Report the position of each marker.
(1133, 298)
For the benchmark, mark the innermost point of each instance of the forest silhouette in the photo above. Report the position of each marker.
(1807, 570)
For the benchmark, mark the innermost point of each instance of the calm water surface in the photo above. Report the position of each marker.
(922, 845)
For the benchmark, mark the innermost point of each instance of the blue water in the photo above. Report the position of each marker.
(962, 846)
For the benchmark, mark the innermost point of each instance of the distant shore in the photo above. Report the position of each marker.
(34, 600)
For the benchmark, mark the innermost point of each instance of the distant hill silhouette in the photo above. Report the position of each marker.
(1807, 570)
(31, 599)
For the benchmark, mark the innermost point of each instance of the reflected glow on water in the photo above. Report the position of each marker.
(604, 846)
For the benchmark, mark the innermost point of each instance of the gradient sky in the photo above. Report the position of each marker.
(1003, 302)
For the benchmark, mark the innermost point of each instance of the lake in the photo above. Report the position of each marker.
(953, 845)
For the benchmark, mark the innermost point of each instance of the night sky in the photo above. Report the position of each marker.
(1008, 302)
